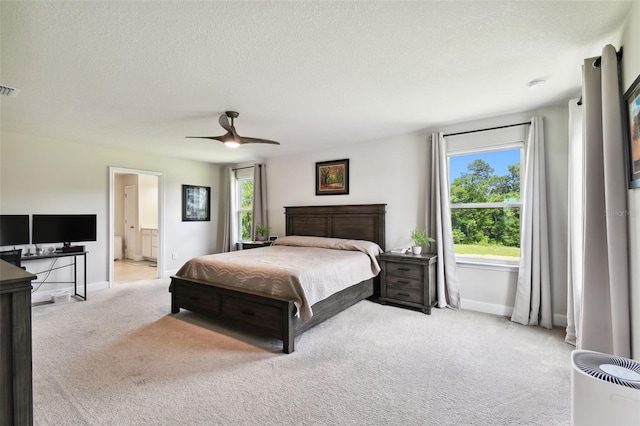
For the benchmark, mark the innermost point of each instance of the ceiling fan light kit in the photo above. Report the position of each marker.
(231, 139)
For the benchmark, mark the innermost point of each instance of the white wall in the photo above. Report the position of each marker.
(630, 71)
(40, 175)
(487, 289)
(390, 171)
(148, 201)
(393, 171)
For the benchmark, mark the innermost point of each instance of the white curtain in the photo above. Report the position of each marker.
(575, 224)
(439, 214)
(259, 213)
(605, 325)
(533, 292)
(230, 220)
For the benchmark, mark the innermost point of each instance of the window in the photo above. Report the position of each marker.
(245, 206)
(485, 201)
(244, 203)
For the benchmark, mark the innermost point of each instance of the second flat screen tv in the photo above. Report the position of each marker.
(63, 228)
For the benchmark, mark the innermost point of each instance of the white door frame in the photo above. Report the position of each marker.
(112, 179)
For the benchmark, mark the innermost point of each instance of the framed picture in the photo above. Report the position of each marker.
(332, 177)
(632, 131)
(196, 203)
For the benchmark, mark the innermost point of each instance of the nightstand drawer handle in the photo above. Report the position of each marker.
(250, 313)
(404, 269)
(404, 294)
(403, 282)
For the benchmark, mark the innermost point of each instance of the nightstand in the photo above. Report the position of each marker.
(408, 280)
(245, 245)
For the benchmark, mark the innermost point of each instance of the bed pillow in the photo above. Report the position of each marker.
(368, 247)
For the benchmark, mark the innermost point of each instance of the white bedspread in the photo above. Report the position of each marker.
(303, 269)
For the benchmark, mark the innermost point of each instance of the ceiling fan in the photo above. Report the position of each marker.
(232, 139)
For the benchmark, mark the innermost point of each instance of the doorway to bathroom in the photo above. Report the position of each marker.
(135, 230)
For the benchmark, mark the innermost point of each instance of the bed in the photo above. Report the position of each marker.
(276, 315)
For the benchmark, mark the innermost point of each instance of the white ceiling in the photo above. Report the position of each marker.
(142, 75)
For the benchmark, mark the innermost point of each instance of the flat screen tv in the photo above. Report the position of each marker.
(63, 228)
(14, 229)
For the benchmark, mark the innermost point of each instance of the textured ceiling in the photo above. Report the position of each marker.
(142, 75)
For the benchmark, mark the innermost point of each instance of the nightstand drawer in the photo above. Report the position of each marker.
(406, 295)
(405, 270)
(402, 283)
(405, 289)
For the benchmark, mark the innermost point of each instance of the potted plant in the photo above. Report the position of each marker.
(420, 238)
(263, 232)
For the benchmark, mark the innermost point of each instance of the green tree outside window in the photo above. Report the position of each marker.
(479, 226)
(246, 206)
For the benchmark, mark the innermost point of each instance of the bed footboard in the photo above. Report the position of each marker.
(267, 316)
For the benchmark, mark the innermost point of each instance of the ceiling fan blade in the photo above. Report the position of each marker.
(224, 122)
(257, 140)
(217, 138)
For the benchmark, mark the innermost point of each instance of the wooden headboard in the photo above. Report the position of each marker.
(356, 221)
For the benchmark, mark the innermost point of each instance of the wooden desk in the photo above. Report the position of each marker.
(74, 263)
(16, 391)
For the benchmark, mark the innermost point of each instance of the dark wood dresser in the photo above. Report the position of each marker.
(16, 392)
(408, 280)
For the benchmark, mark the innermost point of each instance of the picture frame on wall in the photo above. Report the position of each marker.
(631, 116)
(332, 177)
(196, 203)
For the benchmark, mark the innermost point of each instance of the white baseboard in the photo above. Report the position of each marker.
(487, 308)
(43, 294)
(167, 274)
(559, 320)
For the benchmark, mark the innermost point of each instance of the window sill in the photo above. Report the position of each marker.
(491, 264)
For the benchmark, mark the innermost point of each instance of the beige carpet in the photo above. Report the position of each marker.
(122, 359)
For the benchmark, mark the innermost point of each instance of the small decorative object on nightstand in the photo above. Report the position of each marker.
(262, 233)
(420, 238)
(408, 280)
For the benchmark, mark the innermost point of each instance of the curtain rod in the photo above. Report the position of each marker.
(490, 128)
(597, 63)
(242, 168)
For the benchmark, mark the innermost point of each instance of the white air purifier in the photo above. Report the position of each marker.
(605, 389)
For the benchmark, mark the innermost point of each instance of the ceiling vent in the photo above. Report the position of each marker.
(9, 91)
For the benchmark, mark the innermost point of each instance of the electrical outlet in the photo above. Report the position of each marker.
(174, 256)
